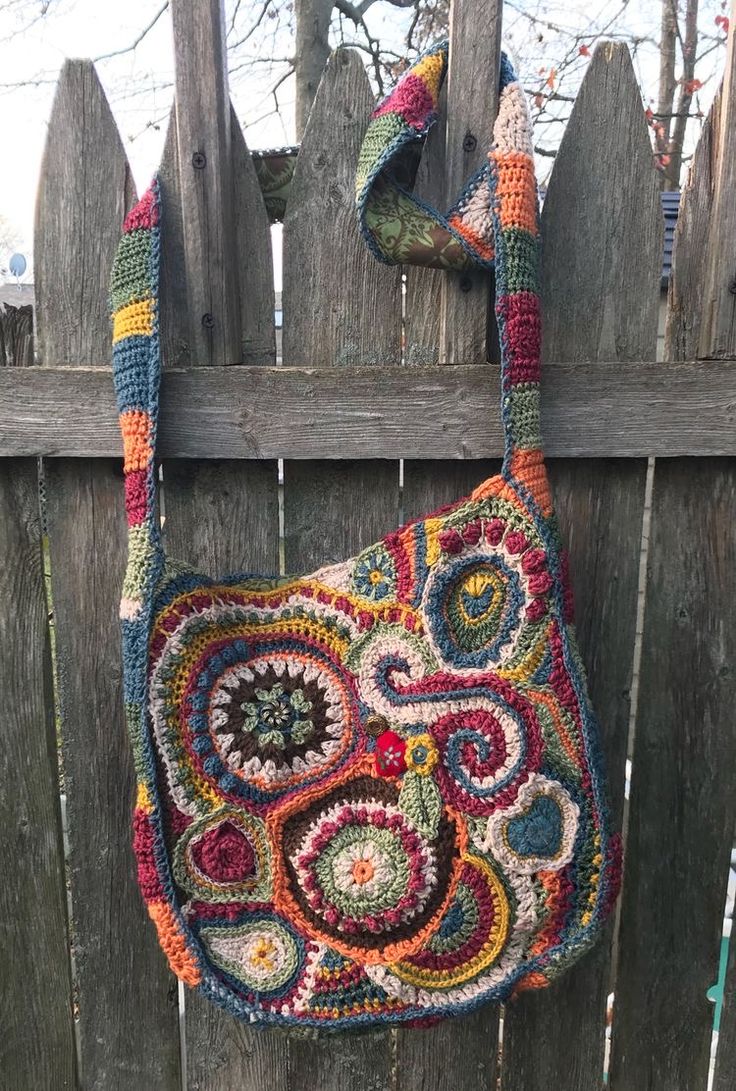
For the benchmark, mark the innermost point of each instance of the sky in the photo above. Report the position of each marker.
(37, 35)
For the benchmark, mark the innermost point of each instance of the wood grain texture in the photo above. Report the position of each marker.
(37, 1047)
(601, 265)
(254, 257)
(429, 486)
(220, 516)
(600, 300)
(472, 104)
(718, 322)
(16, 335)
(588, 410)
(681, 804)
(177, 349)
(325, 259)
(127, 998)
(681, 810)
(685, 290)
(726, 1055)
(205, 176)
(344, 307)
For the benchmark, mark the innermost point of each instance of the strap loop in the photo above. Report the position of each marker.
(494, 224)
(398, 227)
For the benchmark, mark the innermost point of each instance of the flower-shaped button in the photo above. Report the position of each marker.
(390, 754)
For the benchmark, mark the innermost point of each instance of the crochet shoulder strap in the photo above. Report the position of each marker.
(136, 372)
(493, 224)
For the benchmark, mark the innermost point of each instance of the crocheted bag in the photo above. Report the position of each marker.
(371, 794)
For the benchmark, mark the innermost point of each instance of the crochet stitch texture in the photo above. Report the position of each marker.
(372, 794)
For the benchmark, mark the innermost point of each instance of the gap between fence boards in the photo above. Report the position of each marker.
(602, 410)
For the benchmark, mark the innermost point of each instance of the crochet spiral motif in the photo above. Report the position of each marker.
(371, 794)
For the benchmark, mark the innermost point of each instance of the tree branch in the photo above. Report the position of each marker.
(134, 45)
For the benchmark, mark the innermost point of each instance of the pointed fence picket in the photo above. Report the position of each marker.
(334, 509)
(600, 287)
(681, 816)
(219, 515)
(127, 1003)
(84, 971)
(446, 323)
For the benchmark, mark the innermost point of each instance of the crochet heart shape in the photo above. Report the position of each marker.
(537, 832)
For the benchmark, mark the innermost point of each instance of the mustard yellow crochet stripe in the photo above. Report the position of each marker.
(134, 320)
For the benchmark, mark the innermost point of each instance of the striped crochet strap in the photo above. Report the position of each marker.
(494, 224)
(136, 373)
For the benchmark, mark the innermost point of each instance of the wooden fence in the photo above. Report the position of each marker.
(87, 1000)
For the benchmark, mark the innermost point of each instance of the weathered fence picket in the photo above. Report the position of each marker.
(600, 303)
(446, 323)
(127, 997)
(36, 1024)
(220, 517)
(332, 510)
(681, 815)
(351, 399)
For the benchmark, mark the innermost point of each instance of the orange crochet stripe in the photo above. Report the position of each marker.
(516, 189)
(174, 944)
(135, 424)
(529, 468)
(484, 248)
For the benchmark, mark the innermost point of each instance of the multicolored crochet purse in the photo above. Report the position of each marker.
(371, 794)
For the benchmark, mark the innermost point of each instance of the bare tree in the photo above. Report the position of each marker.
(287, 42)
(686, 44)
(312, 44)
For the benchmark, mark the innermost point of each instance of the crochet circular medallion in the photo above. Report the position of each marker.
(358, 874)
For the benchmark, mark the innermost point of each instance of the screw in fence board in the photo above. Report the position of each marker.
(127, 999)
(602, 239)
(681, 810)
(446, 324)
(340, 307)
(221, 516)
(37, 1047)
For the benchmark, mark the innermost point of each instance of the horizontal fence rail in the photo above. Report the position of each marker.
(591, 410)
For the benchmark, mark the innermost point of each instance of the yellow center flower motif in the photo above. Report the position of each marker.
(421, 755)
(262, 955)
